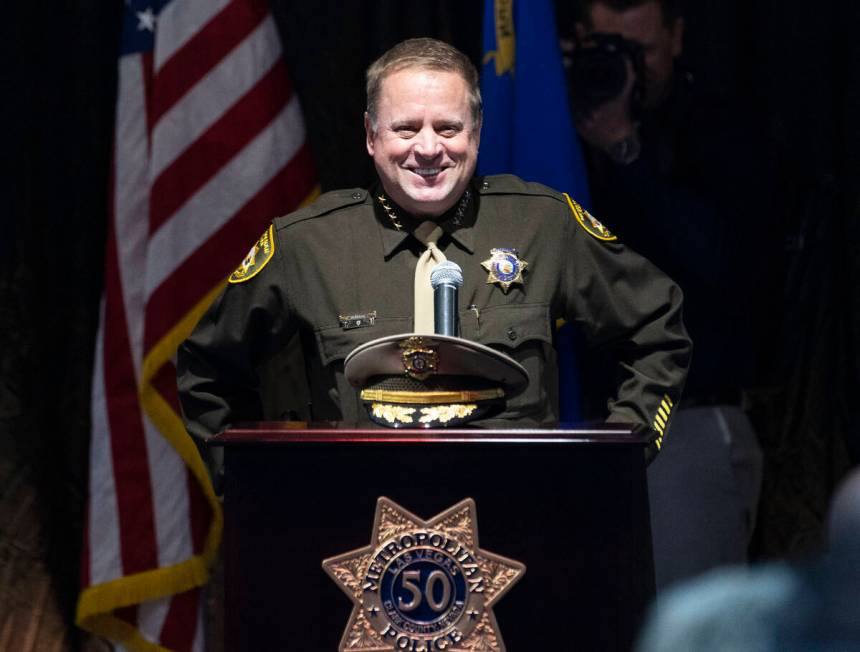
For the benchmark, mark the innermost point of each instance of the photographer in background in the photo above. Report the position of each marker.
(629, 68)
(679, 175)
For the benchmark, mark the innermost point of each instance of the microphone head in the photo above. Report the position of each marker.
(446, 273)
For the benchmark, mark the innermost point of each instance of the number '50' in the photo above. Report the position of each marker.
(411, 582)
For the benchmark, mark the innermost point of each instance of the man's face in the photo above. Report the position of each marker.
(425, 145)
(661, 43)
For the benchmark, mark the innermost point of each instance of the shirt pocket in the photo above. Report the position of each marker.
(522, 331)
(507, 327)
(335, 343)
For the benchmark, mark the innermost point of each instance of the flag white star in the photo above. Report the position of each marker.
(146, 20)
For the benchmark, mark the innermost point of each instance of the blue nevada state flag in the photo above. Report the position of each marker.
(527, 128)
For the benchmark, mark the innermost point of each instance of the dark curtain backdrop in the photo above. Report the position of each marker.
(793, 64)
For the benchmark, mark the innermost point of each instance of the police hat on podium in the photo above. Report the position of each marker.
(432, 381)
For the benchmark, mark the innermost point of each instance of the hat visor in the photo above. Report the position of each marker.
(457, 357)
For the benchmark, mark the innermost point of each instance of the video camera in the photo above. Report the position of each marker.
(598, 72)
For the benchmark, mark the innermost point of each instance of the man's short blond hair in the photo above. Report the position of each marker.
(427, 54)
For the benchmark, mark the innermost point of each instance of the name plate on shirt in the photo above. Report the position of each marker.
(348, 322)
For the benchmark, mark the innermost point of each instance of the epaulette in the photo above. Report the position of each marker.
(325, 204)
(508, 184)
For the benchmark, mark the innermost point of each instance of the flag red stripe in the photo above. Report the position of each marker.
(199, 273)
(218, 144)
(128, 614)
(180, 623)
(203, 51)
(164, 382)
(199, 513)
(128, 441)
(86, 550)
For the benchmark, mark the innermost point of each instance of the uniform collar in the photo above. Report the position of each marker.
(460, 228)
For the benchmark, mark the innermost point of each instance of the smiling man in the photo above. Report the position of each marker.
(423, 132)
(341, 271)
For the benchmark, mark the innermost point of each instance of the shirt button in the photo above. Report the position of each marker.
(512, 334)
(356, 195)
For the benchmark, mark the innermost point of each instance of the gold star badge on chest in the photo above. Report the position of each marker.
(505, 267)
(423, 585)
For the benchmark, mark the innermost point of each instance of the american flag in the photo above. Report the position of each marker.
(209, 147)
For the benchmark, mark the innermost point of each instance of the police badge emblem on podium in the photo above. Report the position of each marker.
(423, 585)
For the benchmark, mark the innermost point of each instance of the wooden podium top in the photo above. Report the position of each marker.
(293, 432)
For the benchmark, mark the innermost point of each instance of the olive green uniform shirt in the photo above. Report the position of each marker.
(343, 256)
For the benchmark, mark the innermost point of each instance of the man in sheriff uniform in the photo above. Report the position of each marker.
(340, 272)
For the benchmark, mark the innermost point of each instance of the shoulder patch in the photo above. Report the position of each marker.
(259, 256)
(588, 222)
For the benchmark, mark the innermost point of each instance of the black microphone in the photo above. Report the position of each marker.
(446, 279)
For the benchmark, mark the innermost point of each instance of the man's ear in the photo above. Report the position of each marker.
(677, 37)
(369, 133)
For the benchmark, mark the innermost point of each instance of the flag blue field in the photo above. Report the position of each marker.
(528, 130)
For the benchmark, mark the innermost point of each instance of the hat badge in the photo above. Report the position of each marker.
(420, 359)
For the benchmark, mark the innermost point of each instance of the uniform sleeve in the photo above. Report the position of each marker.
(248, 322)
(622, 301)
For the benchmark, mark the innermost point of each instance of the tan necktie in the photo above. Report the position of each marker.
(428, 232)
